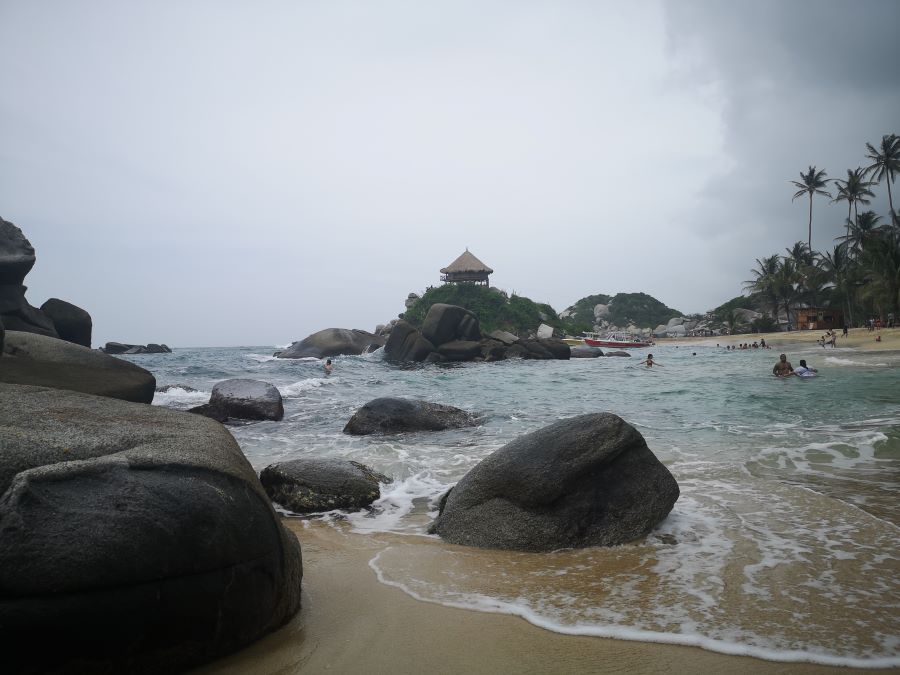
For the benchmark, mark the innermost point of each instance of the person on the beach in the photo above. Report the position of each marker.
(804, 370)
(783, 368)
(649, 362)
(328, 367)
(845, 330)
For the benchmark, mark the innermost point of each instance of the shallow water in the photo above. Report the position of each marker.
(784, 543)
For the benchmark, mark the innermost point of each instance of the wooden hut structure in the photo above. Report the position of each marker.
(819, 318)
(466, 269)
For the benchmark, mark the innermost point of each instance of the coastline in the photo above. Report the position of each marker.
(858, 338)
(350, 622)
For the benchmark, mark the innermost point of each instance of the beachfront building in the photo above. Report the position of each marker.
(819, 318)
(466, 269)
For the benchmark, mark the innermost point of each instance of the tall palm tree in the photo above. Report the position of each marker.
(811, 183)
(838, 269)
(785, 285)
(855, 190)
(866, 226)
(885, 162)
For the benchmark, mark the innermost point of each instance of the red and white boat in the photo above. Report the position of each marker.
(618, 340)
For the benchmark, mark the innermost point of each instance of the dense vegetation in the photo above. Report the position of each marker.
(582, 312)
(640, 309)
(494, 310)
(861, 274)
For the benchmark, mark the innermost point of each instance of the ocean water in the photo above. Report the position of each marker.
(785, 543)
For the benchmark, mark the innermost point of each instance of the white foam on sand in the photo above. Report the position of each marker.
(417, 493)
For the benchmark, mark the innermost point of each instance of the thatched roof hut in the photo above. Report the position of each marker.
(466, 269)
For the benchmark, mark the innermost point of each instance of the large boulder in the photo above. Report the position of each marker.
(124, 348)
(72, 323)
(395, 415)
(585, 352)
(315, 485)
(586, 481)
(503, 336)
(333, 342)
(444, 323)
(406, 343)
(29, 358)
(247, 400)
(16, 260)
(133, 538)
(461, 350)
(16, 254)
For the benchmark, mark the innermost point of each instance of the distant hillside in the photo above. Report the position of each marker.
(643, 310)
(494, 310)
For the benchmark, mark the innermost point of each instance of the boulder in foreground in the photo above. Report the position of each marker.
(333, 342)
(315, 485)
(29, 358)
(72, 323)
(395, 415)
(586, 481)
(133, 538)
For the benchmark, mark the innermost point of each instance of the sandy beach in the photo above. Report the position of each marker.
(351, 623)
(858, 338)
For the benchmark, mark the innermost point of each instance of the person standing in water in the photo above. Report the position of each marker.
(783, 368)
(804, 370)
(328, 367)
(649, 362)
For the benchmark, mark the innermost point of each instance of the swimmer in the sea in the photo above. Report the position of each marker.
(783, 368)
(649, 362)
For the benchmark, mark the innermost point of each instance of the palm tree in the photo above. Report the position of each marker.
(866, 226)
(855, 190)
(785, 285)
(838, 269)
(764, 282)
(885, 162)
(811, 183)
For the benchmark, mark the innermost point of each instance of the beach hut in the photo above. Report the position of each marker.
(819, 318)
(466, 269)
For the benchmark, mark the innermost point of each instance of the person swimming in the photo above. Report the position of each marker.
(783, 368)
(649, 362)
(328, 367)
(803, 370)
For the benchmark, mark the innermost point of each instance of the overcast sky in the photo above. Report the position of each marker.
(225, 173)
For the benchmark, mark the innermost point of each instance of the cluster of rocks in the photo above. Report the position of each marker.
(122, 348)
(452, 333)
(133, 538)
(55, 318)
(242, 399)
(681, 326)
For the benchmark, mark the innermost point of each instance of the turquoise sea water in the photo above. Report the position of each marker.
(784, 543)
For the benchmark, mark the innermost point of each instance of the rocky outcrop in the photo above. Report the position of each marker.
(395, 415)
(315, 485)
(587, 481)
(124, 348)
(16, 254)
(451, 333)
(246, 400)
(617, 352)
(133, 538)
(72, 323)
(38, 360)
(333, 342)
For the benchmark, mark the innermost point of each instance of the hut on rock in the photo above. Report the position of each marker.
(466, 269)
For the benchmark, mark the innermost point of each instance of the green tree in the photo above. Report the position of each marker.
(885, 163)
(855, 190)
(763, 282)
(811, 183)
(839, 269)
(866, 226)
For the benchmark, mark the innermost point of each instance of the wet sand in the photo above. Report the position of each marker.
(351, 623)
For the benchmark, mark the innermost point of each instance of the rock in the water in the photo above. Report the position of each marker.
(444, 323)
(406, 343)
(504, 337)
(587, 481)
(460, 350)
(618, 352)
(333, 342)
(585, 352)
(123, 348)
(34, 359)
(312, 485)
(394, 415)
(72, 323)
(133, 538)
(247, 400)
(210, 411)
(169, 387)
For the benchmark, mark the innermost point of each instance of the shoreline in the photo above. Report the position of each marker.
(858, 338)
(351, 622)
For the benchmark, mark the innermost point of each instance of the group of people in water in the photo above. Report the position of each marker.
(748, 345)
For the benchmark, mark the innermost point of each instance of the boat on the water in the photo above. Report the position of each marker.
(619, 340)
(573, 341)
